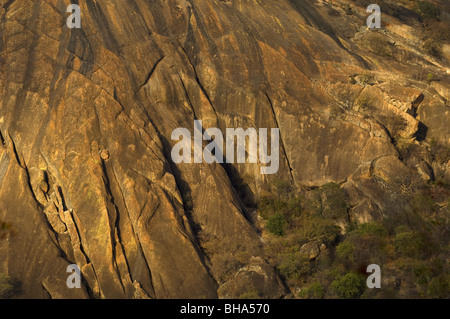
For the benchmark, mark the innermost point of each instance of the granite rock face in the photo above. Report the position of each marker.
(86, 117)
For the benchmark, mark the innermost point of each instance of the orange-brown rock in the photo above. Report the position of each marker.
(86, 117)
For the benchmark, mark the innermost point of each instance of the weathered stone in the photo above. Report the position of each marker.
(86, 117)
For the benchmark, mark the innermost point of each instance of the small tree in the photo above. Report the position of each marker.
(294, 266)
(276, 224)
(350, 286)
(409, 244)
(313, 291)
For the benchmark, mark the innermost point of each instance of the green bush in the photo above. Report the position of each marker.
(427, 10)
(371, 229)
(357, 251)
(423, 204)
(6, 286)
(313, 291)
(409, 244)
(334, 201)
(345, 251)
(402, 229)
(422, 273)
(440, 152)
(433, 47)
(276, 224)
(269, 205)
(295, 206)
(413, 241)
(363, 245)
(350, 286)
(439, 287)
(317, 228)
(294, 266)
(281, 187)
(253, 294)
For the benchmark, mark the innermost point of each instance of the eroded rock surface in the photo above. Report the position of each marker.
(86, 117)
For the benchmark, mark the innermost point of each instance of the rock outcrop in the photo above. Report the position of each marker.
(86, 117)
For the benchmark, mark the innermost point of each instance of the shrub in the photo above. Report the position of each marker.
(276, 224)
(295, 206)
(328, 201)
(402, 229)
(294, 266)
(372, 229)
(432, 47)
(423, 204)
(395, 124)
(253, 294)
(367, 79)
(358, 250)
(364, 245)
(350, 286)
(422, 273)
(280, 188)
(334, 201)
(441, 153)
(409, 244)
(427, 10)
(313, 291)
(317, 228)
(362, 103)
(269, 205)
(439, 287)
(6, 286)
(345, 251)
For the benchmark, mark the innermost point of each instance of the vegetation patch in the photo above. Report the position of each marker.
(411, 246)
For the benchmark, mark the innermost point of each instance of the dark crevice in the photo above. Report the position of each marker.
(185, 192)
(315, 20)
(61, 195)
(16, 154)
(8, 4)
(189, 99)
(88, 261)
(150, 73)
(422, 132)
(27, 175)
(200, 85)
(281, 138)
(53, 234)
(230, 170)
(415, 105)
(2, 139)
(140, 251)
(116, 223)
(49, 296)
